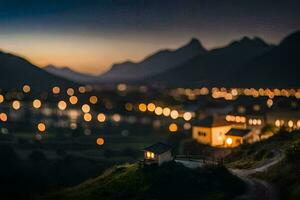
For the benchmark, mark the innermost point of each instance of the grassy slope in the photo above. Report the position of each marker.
(285, 175)
(170, 181)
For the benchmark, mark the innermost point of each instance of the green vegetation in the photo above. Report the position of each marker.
(252, 155)
(285, 175)
(169, 181)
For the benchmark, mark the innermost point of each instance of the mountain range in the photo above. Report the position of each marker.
(17, 71)
(246, 62)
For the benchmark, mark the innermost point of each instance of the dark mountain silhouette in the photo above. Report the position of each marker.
(279, 67)
(214, 67)
(69, 74)
(17, 71)
(154, 64)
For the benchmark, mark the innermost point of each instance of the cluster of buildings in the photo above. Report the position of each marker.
(241, 125)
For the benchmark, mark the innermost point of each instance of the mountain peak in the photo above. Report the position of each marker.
(193, 44)
(292, 40)
(247, 41)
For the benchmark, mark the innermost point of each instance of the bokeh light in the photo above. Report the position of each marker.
(62, 105)
(36, 103)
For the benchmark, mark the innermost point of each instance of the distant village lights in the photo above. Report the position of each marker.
(166, 112)
(142, 107)
(41, 127)
(187, 116)
(36, 103)
(100, 141)
(158, 111)
(16, 105)
(62, 105)
(174, 114)
(1, 98)
(56, 90)
(73, 100)
(70, 91)
(85, 108)
(26, 89)
(101, 117)
(87, 117)
(151, 107)
(93, 99)
(3, 117)
(173, 127)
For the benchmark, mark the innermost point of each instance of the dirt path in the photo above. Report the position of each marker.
(258, 189)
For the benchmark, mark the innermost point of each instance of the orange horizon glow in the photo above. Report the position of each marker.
(91, 55)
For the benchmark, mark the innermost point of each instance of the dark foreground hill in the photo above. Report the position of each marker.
(169, 181)
(17, 71)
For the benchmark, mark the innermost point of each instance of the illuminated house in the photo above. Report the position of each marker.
(157, 154)
(211, 131)
(236, 137)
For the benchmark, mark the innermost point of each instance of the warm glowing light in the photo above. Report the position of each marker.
(173, 127)
(116, 117)
(85, 108)
(174, 114)
(254, 121)
(3, 117)
(229, 141)
(26, 88)
(234, 92)
(150, 155)
(166, 111)
(56, 90)
(16, 105)
(277, 123)
(1, 98)
(73, 100)
(142, 107)
(158, 111)
(269, 103)
(73, 125)
(298, 123)
(151, 107)
(62, 105)
(250, 121)
(93, 99)
(87, 117)
(122, 87)
(36, 103)
(290, 123)
(70, 91)
(100, 141)
(259, 122)
(82, 89)
(129, 106)
(41, 127)
(187, 126)
(187, 116)
(101, 117)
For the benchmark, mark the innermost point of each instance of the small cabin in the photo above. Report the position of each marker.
(157, 154)
(210, 131)
(236, 137)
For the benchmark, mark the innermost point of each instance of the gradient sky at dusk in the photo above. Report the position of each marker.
(90, 35)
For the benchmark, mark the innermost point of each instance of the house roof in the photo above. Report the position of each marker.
(238, 132)
(158, 148)
(210, 122)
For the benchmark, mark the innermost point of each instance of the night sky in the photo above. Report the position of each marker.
(90, 35)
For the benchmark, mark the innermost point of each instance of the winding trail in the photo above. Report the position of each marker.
(258, 189)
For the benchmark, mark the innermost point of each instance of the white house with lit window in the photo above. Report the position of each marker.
(157, 154)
